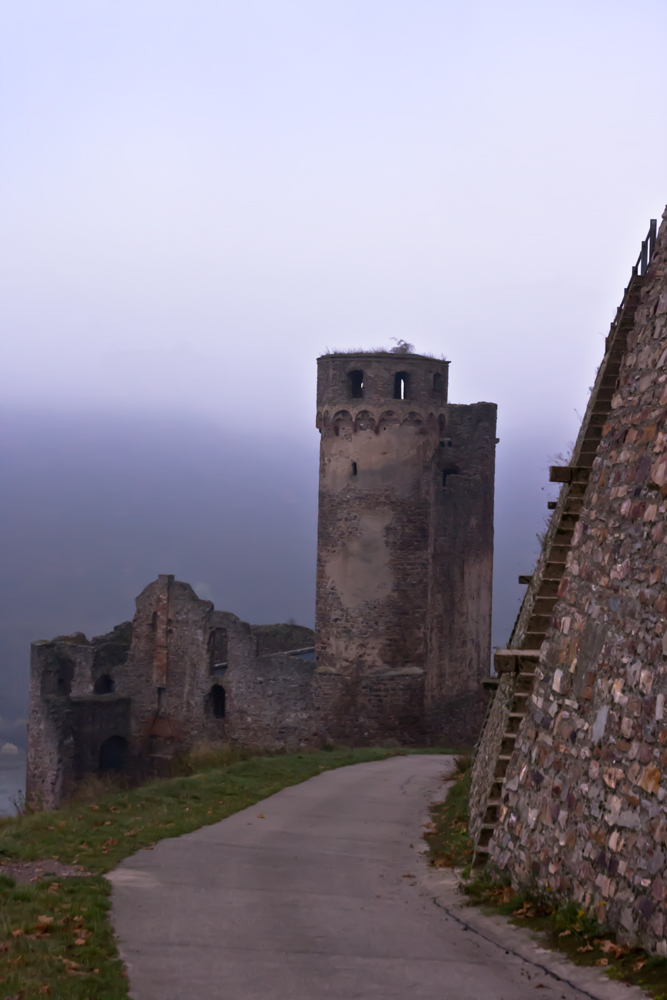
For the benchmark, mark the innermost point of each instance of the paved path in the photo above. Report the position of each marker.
(312, 901)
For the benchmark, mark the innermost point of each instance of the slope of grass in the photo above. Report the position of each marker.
(55, 936)
(447, 837)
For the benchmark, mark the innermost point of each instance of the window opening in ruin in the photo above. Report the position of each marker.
(356, 382)
(154, 622)
(401, 385)
(113, 753)
(442, 425)
(451, 470)
(217, 649)
(218, 699)
(438, 383)
(161, 699)
(104, 685)
(354, 468)
(65, 675)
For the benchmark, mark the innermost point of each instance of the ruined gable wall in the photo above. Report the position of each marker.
(67, 722)
(460, 567)
(584, 812)
(268, 698)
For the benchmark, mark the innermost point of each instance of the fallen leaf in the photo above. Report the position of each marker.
(602, 961)
(564, 933)
(94, 808)
(609, 948)
(586, 947)
(83, 941)
(18, 932)
(261, 816)
(407, 876)
(638, 966)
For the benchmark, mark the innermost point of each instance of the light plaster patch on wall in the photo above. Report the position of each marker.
(600, 724)
(360, 569)
(394, 459)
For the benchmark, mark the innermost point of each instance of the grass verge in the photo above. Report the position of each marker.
(55, 936)
(566, 929)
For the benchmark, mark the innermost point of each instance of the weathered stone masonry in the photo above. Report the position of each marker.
(405, 550)
(180, 674)
(584, 807)
(404, 570)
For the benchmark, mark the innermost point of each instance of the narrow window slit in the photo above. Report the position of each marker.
(354, 468)
(356, 383)
(401, 385)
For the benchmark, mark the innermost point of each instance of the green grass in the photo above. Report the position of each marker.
(564, 928)
(448, 840)
(71, 955)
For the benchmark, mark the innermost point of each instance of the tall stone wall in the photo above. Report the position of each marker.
(584, 811)
(460, 568)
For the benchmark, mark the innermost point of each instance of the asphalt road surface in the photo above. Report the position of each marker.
(327, 896)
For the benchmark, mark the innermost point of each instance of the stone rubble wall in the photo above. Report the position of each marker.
(584, 812)
(161, 705)
(488, 750)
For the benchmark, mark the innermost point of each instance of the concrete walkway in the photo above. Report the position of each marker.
(314, 901)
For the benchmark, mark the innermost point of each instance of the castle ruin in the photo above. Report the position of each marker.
(403, 618)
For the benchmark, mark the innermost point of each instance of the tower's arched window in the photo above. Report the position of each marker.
(356, 383)
(217, 649)
(104, 685)
(218, 699)
(451, 470)
(401, 385)
(113, 753)
(438, 384)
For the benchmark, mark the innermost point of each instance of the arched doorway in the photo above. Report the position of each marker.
(104, 685)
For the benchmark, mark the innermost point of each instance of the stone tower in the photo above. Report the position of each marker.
(405, 550)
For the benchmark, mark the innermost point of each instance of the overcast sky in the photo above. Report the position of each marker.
(200, 197)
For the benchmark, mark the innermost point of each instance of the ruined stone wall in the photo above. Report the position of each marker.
(180, 675)
(271, 702)
(405, 542)
(67, 722)
(485, 764)
(460, 561)
(584, 811)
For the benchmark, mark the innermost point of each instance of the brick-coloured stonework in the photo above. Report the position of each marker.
(405, 550)
(180, 674)
(584, 808)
